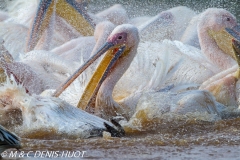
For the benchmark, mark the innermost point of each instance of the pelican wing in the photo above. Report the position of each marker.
(8, 140)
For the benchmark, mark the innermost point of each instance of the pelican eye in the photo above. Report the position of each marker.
(120, 37)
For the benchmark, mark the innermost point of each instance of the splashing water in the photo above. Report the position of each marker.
(168, 136)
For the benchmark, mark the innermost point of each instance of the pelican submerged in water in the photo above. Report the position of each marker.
(46, 117)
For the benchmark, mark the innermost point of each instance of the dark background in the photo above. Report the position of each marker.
(152, 7)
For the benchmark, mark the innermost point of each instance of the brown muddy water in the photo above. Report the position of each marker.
(190, 140)
(217, 140)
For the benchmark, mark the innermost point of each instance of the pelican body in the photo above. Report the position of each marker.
(120, 49)
(35, 116)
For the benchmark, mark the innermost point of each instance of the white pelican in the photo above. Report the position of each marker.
(79, 48)
(173, 63)
(211, 24)
(194, 104)
(47, 117)
(190, 35)
(99, 90)
(189, 71)
(207, 29)
(123, 43)
(120, 48)
(61, 18)
(186, 67)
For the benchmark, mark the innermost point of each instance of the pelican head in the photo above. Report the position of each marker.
(215, 21)
(123, 35)
(120, 48)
